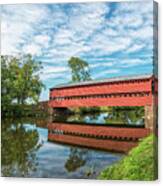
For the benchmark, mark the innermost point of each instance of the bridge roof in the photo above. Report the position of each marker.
(114, 79)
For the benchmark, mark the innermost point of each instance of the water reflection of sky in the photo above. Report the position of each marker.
(99, 119)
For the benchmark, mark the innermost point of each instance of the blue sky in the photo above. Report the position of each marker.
(114, 38)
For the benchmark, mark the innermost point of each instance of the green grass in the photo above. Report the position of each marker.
(139, 164)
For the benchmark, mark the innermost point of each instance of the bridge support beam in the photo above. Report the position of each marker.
(151, 117)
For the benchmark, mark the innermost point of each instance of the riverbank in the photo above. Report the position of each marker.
(39, 109)
(140, 164)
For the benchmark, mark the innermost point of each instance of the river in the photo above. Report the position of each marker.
(26, 151)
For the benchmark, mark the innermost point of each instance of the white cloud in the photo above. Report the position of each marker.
(106, 64)
(32, 49)
(144, 33)
(134, 62)
(42, 40)
(133, 21)
(135, 48)
(86, 19)
(110, 32)
(54, 69)
(79, 24)
(18, 25)
(53, 76)
(106, 73)
(144, 7)
(105, 46)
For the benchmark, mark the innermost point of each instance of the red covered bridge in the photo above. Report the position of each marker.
(120, 91)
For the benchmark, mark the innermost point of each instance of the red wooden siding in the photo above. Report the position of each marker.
(103, 131)
(120, 139)
(134, 92)
(110, 145)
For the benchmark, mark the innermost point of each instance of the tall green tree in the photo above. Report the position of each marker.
(7, 90)
(79, 69)
(20, 79)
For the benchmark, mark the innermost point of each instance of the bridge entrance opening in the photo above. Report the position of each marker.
(128, 116)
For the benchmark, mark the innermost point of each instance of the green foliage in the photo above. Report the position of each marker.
(19, 147)
(20, 80)
(77, 159)
(79, 69)
(140, 164)
(121, 115)
(84, 110)
(7, 93)
(29, 110)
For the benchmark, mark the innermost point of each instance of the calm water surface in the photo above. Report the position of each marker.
(27, 152)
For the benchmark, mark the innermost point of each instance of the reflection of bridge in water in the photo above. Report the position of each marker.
(104, 137)
(121, 91)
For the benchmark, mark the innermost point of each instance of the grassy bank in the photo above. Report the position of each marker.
(140, 164)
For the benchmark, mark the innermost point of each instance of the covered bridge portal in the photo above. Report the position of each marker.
(120, 91)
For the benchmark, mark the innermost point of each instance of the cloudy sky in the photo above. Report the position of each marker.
(114, 38)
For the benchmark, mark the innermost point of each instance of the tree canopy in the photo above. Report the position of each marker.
(20, 79)
(79, 69)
